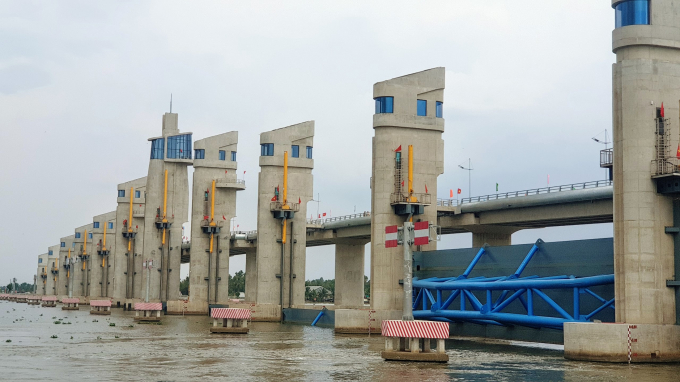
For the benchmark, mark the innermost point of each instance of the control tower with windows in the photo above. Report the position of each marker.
(52, 270)
(167, 207)
(408, 156)
(646, 96)
(215, 184)
(42, 275)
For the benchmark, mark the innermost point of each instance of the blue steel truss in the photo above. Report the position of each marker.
(459, 299)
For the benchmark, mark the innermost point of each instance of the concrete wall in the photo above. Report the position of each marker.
(209, 271)
(403, 128)
(300, 189)
(64, 273)
(127, 264)
(41, 282)
(646, 73)
(164, 284)
(52, 270)
(100, 269)
(81, 276)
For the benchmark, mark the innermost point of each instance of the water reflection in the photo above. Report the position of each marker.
(181, 349)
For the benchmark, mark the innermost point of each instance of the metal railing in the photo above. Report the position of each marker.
(665, 166)
(278, 206)
(606, 158)
(517, 194)
(338, 218)
(399, 198)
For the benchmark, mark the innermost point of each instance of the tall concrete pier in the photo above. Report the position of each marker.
(66, 252)
(103, 239)
(129, 243)
(215, 183)
(408, 113)
(281, 219)
(167, 206)
(83, 246)
(645, 76)
(42, 275)
(52, 270)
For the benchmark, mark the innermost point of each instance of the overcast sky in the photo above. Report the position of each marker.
(83, 84)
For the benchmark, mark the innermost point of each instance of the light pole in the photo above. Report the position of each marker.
(469, 170)
(606, 147)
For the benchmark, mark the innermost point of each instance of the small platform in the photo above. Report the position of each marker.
(49, 301)
(70, 304)
(148, 311)
(230, 320)
(411, 340)
(100, 307)
(33, 300)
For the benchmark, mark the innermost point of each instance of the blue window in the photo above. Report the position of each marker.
(199, 154)
(223, 155)
(632, 12)
(179, 146)
(63, 244)
(158, 148)
(309, 152)
(267, 149)
(77, 235)
(440, 109)
(138, 194)
(95, 225)
(296, 151)
(422, 107)
(89, 235)
(233, 156)
(121, 193)
(39, 260)
(384, 105)
(110, 225)
(50, 253)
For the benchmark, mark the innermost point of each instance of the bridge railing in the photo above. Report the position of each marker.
(338, 218)
(517, 194)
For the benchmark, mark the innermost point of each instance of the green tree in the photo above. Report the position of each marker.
(184, 286)
(237, 283)
(367, 287)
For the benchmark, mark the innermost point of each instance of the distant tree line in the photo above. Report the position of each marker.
(21, 288)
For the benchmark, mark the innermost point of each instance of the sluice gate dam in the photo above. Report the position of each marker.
(133, 254)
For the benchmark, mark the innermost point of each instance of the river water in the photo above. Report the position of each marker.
(182, 349)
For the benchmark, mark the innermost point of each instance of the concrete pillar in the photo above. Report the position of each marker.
(172, 152)
(349, 274)
(100, 274)
(81, 277)
(42, 270)
(251, 275)
(209, 272)
(491, 235)
(127, 264)
(269, 228)
(397, 124)
(66, 244)
(53, 265)
(645, 75)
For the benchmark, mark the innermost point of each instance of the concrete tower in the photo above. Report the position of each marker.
(408, 113)
(646, 74)
(167, 200)
(84, 248)
(215, 184)
(43, 274)
(129, 242)
(65, 250)
(282, 206)
(52, 270)
(103, 239)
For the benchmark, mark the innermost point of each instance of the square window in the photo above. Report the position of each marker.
(110, 225)
(50, 253)
(95, 225)
(309, 152)
(63, 244)
(138, 194)
(233, 156)
(267, 149)
(296, 151)
(199, 154)
(121, 193)
(384, 105)
(440, 109)
(223, 155)
(77, 235)
(422, 107)
(89, 235)
(39, 260)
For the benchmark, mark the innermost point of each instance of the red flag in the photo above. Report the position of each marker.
(299, 200)
(180, 150)
(459, 191)
(426, 189)
(398, 149)
(662, 111)
(402, 183)
(205, 217)
(244, 172)
(223, 217)
(678, 153)
(451, 193)
(324, 214)
(319, 217)
(225, 171)
(274, 198)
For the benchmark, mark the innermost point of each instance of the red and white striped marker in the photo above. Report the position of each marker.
(422, 233)
(391, 236)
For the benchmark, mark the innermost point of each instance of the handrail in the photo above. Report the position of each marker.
(338, 218)
(517, 194)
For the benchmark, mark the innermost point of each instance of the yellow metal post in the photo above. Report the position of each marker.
(285, 181)
(283, 233)
(411, 197)
(165, 204)
(212, 205)
(132, 193)
(68, 271)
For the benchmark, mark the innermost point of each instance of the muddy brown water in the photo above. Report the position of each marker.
(182, 349)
